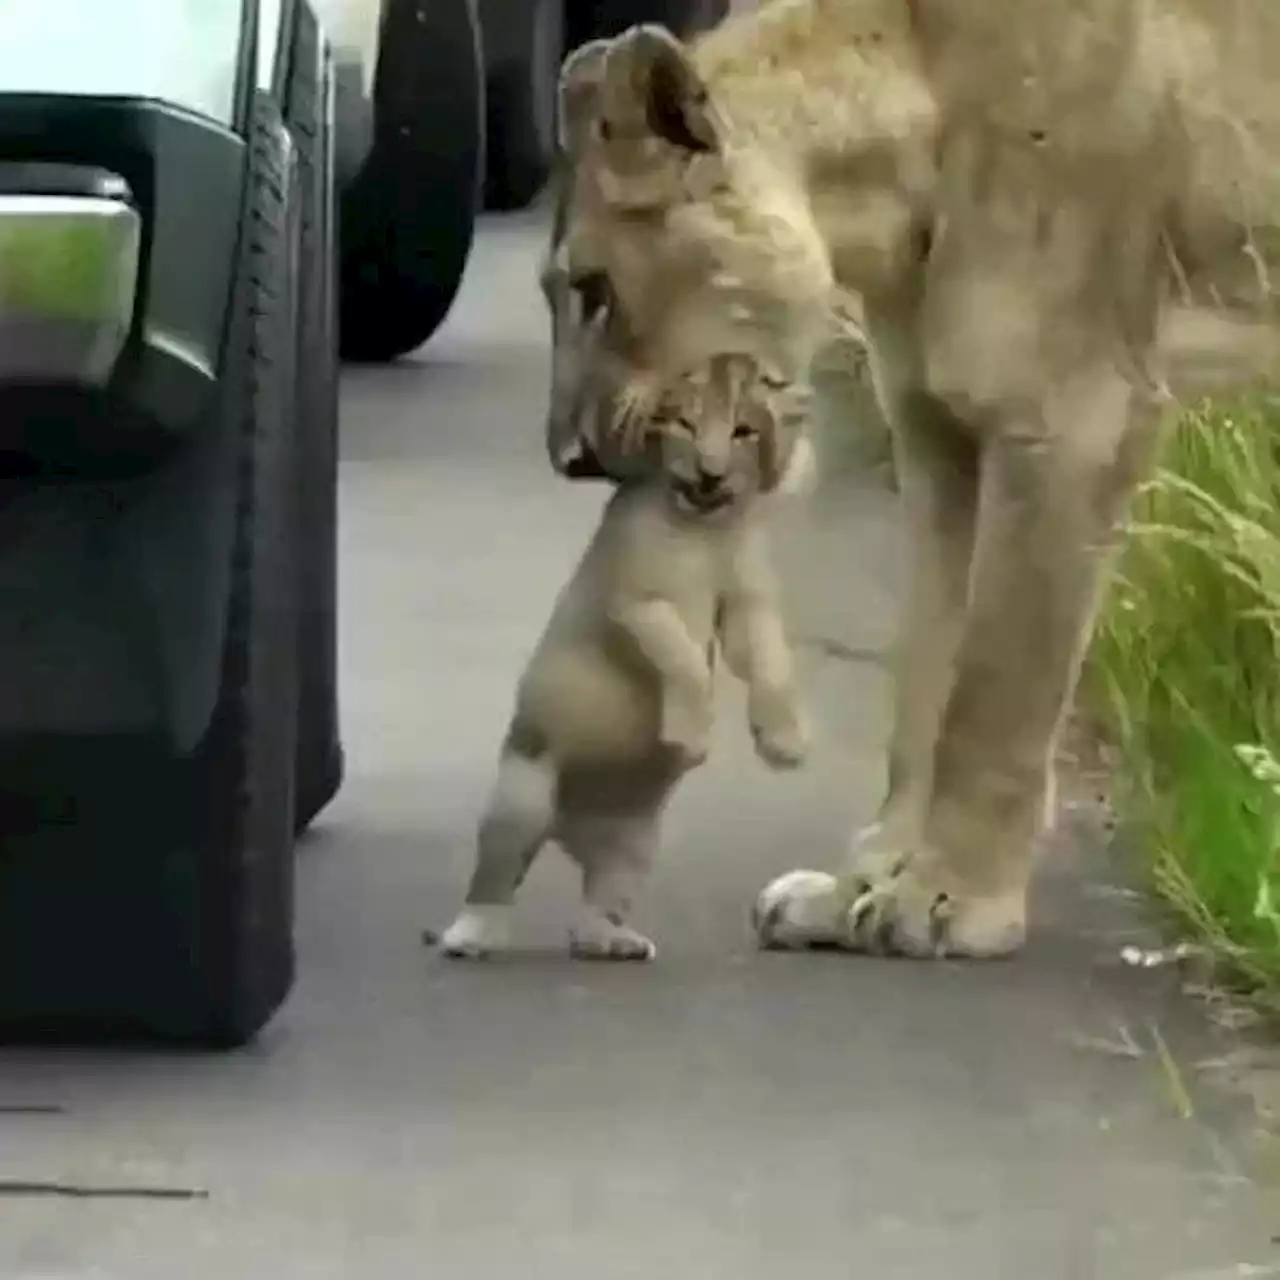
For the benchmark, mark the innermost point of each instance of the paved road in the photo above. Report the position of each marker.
(724, 1115)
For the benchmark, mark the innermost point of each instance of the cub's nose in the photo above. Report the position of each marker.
(709, 481)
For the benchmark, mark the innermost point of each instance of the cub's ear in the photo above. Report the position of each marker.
(581, 75)
(672, 94)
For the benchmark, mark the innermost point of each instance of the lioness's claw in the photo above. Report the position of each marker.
(901, 912)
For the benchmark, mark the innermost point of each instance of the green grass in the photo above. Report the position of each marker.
(1185, 673)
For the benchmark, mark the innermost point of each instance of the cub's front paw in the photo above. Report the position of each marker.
(781, 733)
(686, 728)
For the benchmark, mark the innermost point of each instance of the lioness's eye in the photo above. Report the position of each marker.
(744, 431)
(687, 425)
(774, 384)
(605, 130)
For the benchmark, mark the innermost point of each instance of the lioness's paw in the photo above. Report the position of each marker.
(798, 910)
(599, 937)
(914, 911)
(477, 933)
(888, 906)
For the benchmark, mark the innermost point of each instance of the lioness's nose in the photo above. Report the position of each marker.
(709, 481)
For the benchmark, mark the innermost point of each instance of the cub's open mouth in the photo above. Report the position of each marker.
(702, 500)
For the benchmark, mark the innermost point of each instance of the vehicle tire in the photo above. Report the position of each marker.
(307, 93)
(702, 15)
(520, 117)
(242, 814)
(598, 19)
(408, 217)
(146, 849)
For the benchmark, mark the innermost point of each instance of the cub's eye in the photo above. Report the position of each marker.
(774, 384)
(605, 130)
(745, 431)
(687, 425)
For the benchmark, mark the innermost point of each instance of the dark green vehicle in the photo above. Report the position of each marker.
(193, 227)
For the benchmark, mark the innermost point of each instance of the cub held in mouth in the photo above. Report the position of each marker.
(615, 705)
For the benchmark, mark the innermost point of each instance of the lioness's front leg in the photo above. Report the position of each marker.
(758, 653)
(1054, 485)
(937, 466)
(952, 878)
(683, 669)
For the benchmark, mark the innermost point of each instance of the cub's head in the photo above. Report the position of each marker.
(725, 432)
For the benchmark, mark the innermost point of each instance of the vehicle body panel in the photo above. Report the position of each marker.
(68, 273)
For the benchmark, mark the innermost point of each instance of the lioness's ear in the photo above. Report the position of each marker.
(675, 100)
(581, 75)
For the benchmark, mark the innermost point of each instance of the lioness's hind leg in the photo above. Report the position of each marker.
(616, 853)
(516, 824)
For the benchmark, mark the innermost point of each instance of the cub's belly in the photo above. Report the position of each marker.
(590, 706)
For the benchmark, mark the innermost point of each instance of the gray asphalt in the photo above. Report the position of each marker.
(721, 1114)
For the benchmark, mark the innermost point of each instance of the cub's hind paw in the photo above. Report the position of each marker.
(601, 937)
(477, 933)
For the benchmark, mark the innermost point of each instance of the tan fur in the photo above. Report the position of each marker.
(615, 704)
(1053, 216)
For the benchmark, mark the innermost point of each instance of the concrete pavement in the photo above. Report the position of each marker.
(722, 1115)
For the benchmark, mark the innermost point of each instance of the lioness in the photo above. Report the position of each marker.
(615, 705)
(1050, 212)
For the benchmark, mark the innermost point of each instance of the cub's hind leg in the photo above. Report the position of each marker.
(616, 847)
(616, 855)
(516, 824)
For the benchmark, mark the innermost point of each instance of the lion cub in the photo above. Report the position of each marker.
(615, 705)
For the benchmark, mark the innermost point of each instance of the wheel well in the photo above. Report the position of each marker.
(354, 28)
